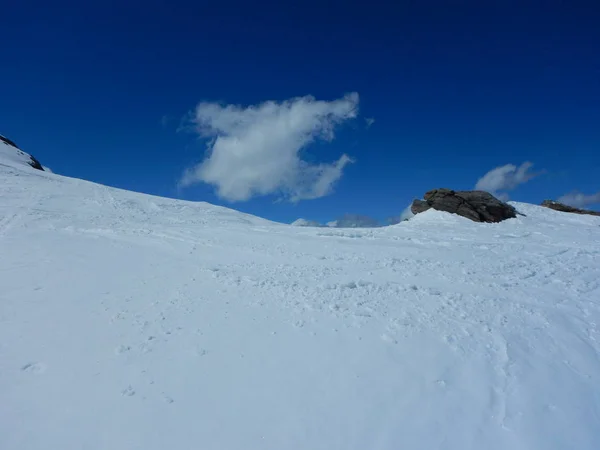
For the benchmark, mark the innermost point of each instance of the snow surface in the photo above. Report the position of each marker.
(134, 322)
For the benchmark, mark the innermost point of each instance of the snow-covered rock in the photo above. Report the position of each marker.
(479, 206)
(567, 208)
(129, 321)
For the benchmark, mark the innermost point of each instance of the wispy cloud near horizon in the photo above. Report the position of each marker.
(255, 150)
(506, 178)
(404, 215)
(579, 200)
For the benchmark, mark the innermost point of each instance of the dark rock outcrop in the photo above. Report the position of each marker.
(566, 208)
(33, 162)
(478, 206)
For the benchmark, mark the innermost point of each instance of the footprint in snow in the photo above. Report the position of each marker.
(122, 349)
(128, 391)
(36, 368)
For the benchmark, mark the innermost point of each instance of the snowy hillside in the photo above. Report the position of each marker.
(11, 154)
(134, 322)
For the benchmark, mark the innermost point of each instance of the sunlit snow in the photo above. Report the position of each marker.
(135, 322)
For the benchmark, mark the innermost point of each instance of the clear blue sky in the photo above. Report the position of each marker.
(97, 90)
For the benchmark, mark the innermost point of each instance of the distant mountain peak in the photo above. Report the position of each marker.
(306, 223)
(346, 221)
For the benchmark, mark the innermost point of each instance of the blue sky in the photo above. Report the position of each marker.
(100, 90)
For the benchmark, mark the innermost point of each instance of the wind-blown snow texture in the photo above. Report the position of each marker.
(134, 322)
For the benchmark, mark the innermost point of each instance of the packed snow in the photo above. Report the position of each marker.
(135, 322)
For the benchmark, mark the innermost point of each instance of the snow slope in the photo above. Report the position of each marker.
(134, 322)
(12, 155)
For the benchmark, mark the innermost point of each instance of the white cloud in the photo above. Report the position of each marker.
(255, 150)
(503, 196)
(505, 178)
(369, 121)
(404, 215)
(579, 200)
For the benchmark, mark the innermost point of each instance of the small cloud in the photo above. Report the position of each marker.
(404, 215)
(369, 121)
(255, 150)
(503, 196)
(505, 178)
(579, 200)
(164, 121)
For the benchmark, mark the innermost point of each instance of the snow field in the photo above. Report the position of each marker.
(135, 322)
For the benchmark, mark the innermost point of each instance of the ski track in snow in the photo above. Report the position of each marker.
(134, 322)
